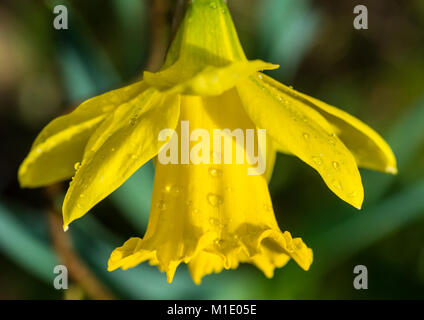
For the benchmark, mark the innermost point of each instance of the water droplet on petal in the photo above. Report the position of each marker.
(317, 160)
(176, 189)
(267, 207)
(133, 121)
(161, 205)
(212, 5)
(336, 165)
(213, 221)
(336, 184)
(306, 136)
(77, 165)
(215, 200)
(332, 139)
(260, 76)
(215, 172)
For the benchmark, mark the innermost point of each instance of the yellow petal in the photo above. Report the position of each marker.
(210, 81)
(123, 143)
(206, 57)
(211, 216)
(60, 145)
(206, 36)
(271, 156)
(368, 147)
(306, 134)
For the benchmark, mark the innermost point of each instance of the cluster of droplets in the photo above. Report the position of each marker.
(170, 190)
(318, 161)
(213, 5)
(215, 200)
(134, 118)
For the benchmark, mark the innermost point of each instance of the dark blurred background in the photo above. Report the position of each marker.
(375, 74)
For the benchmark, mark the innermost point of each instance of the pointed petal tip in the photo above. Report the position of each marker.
(391, 170)
(110, 269)
(269, 66)
(65, 228)
(23, 179)
(357, 203)
(170, 277)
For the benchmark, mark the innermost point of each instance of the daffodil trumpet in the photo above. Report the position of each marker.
(210, 216)
(178, 150)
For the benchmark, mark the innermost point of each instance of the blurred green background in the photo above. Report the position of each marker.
(375, 74)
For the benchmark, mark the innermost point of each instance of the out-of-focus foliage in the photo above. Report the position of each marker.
(375, 74)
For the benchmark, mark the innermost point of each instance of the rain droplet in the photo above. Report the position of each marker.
(332, 139)
(77, 165)
(215, 172)
(167, 188)
(133, 121)
(113, 149)
(215, 200)
(161, 205)
(212, 5)
(219, 242)
(267, 207)
(189, 203)
(317, 160)
(260, 76)
(213, 221)
(336, 165)
(336, 184)
(176, 189)
(306, 136)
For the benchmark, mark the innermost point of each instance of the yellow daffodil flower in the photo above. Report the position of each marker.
(210, 216)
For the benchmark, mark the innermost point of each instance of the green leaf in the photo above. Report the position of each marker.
(286, 29)
(134, 197)
(24, 247)
(406, 139)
